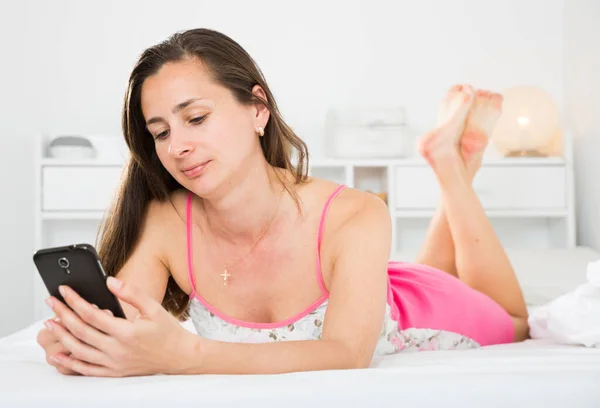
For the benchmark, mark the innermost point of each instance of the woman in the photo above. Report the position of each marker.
(214, 219)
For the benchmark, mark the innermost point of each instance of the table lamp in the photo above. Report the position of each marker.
(529, 124)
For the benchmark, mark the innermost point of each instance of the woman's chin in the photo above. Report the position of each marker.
(202, 186)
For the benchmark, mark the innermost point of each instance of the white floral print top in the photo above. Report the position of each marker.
(310, 327)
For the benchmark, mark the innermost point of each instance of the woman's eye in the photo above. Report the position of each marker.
(198, 120)
(161, 135)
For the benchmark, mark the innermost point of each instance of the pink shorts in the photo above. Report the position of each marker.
(427, 298)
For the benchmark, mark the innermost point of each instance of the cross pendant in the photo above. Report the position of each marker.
(225, 275)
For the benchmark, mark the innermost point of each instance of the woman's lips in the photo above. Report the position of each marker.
(196, 170)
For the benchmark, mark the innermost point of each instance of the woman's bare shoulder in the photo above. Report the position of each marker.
(348, 202)
(351, 205)
(164, 217)
(353, 216)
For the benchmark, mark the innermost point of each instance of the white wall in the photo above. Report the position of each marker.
(65, 65)
(582, 110)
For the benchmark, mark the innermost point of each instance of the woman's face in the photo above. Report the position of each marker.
(202, 134)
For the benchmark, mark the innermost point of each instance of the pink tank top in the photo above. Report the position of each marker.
(213, 324)
(252, 325)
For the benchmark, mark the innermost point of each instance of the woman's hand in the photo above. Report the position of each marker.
(105, 346)
(49, 342)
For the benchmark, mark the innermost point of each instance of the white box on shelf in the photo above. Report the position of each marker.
(354, 132)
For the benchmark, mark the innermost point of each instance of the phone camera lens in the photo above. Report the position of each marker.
(63, 263)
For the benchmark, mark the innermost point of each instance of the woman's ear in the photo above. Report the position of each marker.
(261, 113)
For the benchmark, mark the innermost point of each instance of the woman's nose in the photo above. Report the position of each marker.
(177, 151)
(179, 146)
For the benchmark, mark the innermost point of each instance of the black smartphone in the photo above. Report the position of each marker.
(77, 266)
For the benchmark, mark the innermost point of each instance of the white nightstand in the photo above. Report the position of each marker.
(529, 200)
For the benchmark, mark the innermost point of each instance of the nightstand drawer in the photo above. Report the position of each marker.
(498, 187)
(85, 188)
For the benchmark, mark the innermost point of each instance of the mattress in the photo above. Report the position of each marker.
(534, 373)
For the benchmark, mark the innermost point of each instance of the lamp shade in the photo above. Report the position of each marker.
(529, 124)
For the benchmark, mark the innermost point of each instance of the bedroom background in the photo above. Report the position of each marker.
(65, 66)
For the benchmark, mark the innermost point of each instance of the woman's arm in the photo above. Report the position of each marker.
(354, 316)
(146, 268)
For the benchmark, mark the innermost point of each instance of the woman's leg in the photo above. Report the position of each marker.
(479, 257)
(438, 248)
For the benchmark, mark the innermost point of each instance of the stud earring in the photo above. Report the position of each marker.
(260, 131)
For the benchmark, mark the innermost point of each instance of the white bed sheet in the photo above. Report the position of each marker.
(534, 373)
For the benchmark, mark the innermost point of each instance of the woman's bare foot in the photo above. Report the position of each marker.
(443, 143)
(482, 118)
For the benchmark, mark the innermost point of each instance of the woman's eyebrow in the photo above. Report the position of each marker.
(178, 108)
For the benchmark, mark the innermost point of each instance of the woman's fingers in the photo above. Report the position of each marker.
(85, 342)
(78, 349)
(45, 338)
(54, 350)
(48, 341)
(89, 314)
(104, 310)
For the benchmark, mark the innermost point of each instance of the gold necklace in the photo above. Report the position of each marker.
(225, 273)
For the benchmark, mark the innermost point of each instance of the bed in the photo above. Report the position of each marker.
(534, 373)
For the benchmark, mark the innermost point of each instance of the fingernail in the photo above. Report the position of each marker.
(109, 312)
(114, 282)
(49, 302)
(61, 289)
(48, 325)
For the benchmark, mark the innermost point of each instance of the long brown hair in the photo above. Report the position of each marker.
(145, 179)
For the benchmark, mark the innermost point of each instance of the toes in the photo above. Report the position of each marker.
(453, 93)
(456, 104)
(469, 93)
(496, 100)
(479, 98)
(485, 98)
(467, 100)
(460, 88)
(467, 97)
(455, 88)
